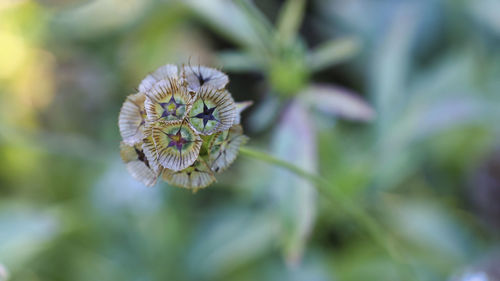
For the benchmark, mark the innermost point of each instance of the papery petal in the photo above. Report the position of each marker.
(196, 176)
(222, 109)
(137, 164)
(147, 83)
(131, 119)
(198, 76)
(224, 148)
(176, 152)
(167, 72)
(142, 173)
(151, 153)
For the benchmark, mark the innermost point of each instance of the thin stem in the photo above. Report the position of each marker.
(372, 227)
(278, 162)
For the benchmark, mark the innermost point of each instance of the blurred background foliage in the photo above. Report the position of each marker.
(394, 103)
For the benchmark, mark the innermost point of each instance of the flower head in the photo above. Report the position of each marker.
(183, 125)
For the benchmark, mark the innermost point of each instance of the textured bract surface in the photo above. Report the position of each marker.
(198, 175)
(213, 111)
(132, 118)
(177, 145)
(183, 125)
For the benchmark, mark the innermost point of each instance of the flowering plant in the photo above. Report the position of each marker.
(182, 125)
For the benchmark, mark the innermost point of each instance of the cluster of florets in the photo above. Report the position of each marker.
(182, 125)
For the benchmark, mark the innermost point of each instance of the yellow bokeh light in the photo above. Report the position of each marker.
(13, 54)
(26, 70)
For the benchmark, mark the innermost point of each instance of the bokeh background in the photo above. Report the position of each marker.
(394, 103)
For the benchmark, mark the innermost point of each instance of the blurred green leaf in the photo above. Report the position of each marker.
(363, 261)
(312, 268)
(100, 17)
(391, 64)
(260, 23)
(430, 226)
(265, 113)
(235, 61)
(289, 19)
(230, 241)
(442, 99)
(486, 12)
(332, 52)
(231, 20)
(24, 231)
(432, 233)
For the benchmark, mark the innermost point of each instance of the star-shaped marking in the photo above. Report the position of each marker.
(206, 115)
(170, 107)
(202, 80)
(176, 140)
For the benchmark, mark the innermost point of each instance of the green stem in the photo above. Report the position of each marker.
(278, 162)
(372, 227)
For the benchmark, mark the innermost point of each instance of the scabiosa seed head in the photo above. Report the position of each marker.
(183, 125)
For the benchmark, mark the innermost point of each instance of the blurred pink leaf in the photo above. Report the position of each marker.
(338, 101)
(294, 141)
(4, 274)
